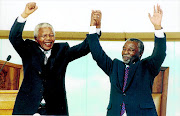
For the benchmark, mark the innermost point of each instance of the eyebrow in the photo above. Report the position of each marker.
(132, 48)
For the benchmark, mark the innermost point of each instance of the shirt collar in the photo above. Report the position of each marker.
(48, 52)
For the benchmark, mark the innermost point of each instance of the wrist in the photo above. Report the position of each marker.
(93, 23)
(98, 26)
(24, 15)
(157, 27)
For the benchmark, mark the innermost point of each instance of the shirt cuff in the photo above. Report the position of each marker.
(159, 33)
(98, 30)
(93, 30)
(20, 19)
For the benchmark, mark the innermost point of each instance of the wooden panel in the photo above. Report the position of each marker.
(157, 101)
(160, 86)
(10, 79)
(158, 82)
(106, 36)
(10, 76)
(7, 100)
(6, 112)
(164, 92)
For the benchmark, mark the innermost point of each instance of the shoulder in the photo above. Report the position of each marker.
(60, 46)
(29, 42)
(117, 61)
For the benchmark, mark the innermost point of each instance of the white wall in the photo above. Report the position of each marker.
(88, 90)
(74, 15)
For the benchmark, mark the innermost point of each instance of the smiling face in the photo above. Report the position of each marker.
(130, 52)
(45, 38)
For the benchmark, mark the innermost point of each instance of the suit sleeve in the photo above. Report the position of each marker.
(77, 51)
(15, 37)
(159, 53)
(98, 54)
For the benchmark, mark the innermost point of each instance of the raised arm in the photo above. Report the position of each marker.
(159, 52)
(29, 9)
(15, 35)
(103, 61)
(83, 48)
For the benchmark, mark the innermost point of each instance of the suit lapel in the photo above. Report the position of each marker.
(54, 55)
(121, 68)
(38, 59)
(132, 69)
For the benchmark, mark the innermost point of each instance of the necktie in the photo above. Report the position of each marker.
(45, 59)
(124, 85)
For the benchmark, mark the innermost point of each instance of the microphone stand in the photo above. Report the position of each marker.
(8, 58)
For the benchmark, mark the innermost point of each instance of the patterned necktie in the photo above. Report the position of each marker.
(124, 85)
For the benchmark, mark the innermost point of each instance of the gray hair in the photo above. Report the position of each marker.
(41, 25)
(139, 42)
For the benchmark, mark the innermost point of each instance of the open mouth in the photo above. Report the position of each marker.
(48, 44)
(125, 57)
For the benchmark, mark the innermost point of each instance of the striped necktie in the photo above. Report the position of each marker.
(124, 85)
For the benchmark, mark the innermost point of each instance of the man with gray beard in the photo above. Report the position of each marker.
(131, 79)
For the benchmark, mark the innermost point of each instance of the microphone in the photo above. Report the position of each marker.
(8, 58)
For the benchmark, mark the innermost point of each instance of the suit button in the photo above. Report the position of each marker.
(124, 94)
(39, 72)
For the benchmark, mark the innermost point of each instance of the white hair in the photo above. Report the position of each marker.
(41, 25)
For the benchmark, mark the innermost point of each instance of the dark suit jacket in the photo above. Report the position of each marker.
(137, 95)
(43, 80)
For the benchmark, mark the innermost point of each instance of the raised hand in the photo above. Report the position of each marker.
(29, 9)
(157, 17)
(96, 18)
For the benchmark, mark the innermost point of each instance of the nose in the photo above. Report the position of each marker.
(125, 52)
(48, 37)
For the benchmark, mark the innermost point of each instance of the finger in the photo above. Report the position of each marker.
(149, 15)
(92, 13)
(158, 7)
(32, 5)
(154, 9)
(99, 11)
(96, 16)
(161, 11)
(36, 8)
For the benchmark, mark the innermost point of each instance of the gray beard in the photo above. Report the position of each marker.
(127, 61)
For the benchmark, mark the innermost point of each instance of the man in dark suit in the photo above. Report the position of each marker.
(44, 63)
(131, 79)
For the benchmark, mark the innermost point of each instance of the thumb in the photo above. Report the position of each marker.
(149, 15)
(36, 8)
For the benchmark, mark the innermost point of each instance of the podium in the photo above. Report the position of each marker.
(159, 91)
(10, 80)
